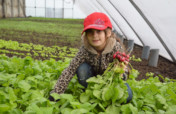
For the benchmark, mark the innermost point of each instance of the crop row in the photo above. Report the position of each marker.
(25, 83)
(35, 51)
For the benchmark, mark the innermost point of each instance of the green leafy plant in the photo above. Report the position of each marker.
(25, 85)
(22, 49)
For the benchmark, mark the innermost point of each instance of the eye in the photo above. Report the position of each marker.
(98, 31)
(89, 31)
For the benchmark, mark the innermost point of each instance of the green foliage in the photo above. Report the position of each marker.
(25, 85)
(36, 50)
(133, 58)
(64, 27)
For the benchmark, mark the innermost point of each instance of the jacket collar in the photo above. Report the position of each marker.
(108, 48)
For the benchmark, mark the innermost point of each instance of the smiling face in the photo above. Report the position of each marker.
(97, 39)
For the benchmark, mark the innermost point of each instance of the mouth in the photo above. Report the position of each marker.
(95, 40)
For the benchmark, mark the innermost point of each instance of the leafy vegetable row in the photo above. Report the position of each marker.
(25, 85)
(34, 51)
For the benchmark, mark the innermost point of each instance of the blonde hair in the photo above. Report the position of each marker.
(113, 35)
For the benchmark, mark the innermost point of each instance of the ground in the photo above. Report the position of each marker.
(165, 67)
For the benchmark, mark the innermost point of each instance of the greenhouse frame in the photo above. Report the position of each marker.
(147, 22)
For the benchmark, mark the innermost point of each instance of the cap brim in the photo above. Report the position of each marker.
(94, 26)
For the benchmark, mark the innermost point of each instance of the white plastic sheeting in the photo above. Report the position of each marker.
(139, 25)
(162, 16)
(148, 22)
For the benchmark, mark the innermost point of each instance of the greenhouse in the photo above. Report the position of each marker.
(44, 53)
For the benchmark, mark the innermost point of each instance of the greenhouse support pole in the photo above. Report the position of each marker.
(63, 9)
(24, 8)
(45, 8)
(11, 8)
(3, 9)
(154, 31)
(54, 9)
(130, 45)
(35, 8)
(18, 8)
(121, 37)
(154, 55)
(72, 9)
(145, 52)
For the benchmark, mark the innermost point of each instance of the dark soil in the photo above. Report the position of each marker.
(165, 67)
(66, 21)
(47, 39)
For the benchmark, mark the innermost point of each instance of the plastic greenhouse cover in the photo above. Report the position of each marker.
(40, 3)
(139, 25)
(30, 3)
(162, 16)
(133, 26)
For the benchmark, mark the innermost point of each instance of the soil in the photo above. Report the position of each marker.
(47, 39)
(164, 67)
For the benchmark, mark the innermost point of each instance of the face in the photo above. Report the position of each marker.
(96, 38)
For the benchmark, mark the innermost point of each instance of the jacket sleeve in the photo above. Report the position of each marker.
(69, 72)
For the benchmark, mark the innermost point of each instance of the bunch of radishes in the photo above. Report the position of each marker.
(121, 56)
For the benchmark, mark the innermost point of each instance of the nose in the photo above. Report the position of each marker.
(95, 33)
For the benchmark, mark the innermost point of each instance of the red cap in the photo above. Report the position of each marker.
(97, 20)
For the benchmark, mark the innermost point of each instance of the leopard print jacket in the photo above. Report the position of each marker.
(87, 54)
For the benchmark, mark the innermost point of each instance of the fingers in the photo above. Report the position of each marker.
(126, 62)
